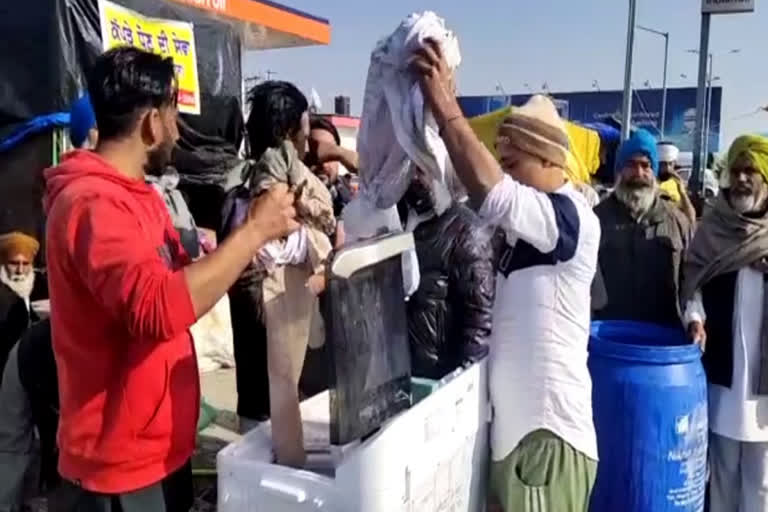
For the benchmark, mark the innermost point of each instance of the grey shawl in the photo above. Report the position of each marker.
(725, 242)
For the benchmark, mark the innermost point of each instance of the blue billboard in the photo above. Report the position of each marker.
(601, 106)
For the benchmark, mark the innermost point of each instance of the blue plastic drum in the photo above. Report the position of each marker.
(649, 399)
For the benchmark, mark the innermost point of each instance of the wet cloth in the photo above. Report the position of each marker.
(314, 206)
(291, 310)
(543, 474)
(292, 318)
(397, 129)
(293, 322)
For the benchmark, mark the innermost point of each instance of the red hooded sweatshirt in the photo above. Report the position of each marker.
(120, 318)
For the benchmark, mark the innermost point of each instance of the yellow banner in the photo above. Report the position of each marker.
(124, 27)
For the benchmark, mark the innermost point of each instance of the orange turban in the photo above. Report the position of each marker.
(15, 243)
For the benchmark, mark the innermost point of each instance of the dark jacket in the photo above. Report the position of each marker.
(37, 373)
(14, 320)
(450, 315)
(640, 263)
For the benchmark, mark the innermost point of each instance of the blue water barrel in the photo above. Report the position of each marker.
(649, 399)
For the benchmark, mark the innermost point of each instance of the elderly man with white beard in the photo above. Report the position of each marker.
(644, 237)
(17, 278)
(727, 312)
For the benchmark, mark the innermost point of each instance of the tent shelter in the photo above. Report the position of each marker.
(48, 44)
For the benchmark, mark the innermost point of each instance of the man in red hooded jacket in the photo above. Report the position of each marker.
(124, 294)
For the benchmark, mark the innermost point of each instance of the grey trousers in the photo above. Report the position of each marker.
(16, 436)
(739, 481)
(174, 493)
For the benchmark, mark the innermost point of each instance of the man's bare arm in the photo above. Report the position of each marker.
(349, 159)
(476, 167)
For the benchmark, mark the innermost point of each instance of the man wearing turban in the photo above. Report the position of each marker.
(727, 313)
(644, 238)
(670, 182)
(17, 253)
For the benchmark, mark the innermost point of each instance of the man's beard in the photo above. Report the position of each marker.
(637, 195)
(22, 286)
(745, 201)
(158, 159)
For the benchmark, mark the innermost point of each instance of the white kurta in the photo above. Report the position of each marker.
(736, 412)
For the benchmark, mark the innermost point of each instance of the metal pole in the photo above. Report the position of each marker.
(626, 112)
(664, 86)
(701, 101)
(708, 118)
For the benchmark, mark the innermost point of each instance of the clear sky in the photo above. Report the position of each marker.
(565, 43)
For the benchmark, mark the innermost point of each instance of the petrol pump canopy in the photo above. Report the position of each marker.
(265, 24)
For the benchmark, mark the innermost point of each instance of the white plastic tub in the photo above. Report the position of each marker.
(431, 458)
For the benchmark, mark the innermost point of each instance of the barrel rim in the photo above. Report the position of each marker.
(658, 355)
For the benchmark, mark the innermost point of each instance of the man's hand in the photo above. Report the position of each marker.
(272, 214)
(322, 151)
(437, 82)
(341, 237)
(674, 175)
(697, 334)
(316, 284)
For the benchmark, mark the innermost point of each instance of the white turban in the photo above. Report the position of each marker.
(668, 152)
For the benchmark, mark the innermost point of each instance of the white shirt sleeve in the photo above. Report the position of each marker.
(548, 222)
(694, 310)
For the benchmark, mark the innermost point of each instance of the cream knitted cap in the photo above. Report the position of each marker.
(536, 128)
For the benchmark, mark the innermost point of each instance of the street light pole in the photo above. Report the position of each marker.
(626, 112)
(664, 90)
(706, 128)
(701, 101)
(708, 115)
(665, 35)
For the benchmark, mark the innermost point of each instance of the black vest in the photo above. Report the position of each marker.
(719, 299)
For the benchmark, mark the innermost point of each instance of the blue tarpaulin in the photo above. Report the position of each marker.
(36, 125)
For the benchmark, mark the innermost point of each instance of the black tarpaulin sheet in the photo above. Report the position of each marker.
(21, 187)
(47, 44)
